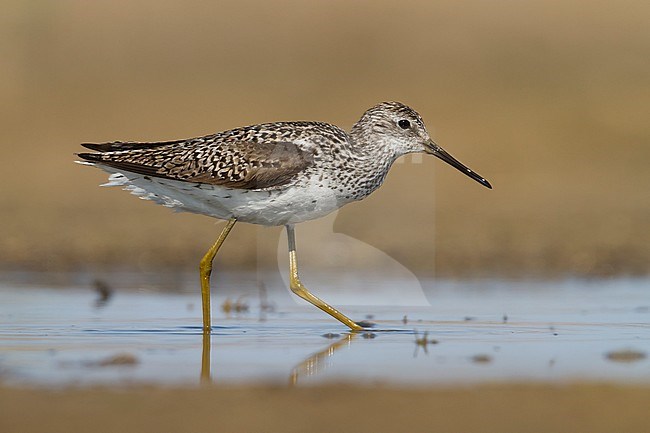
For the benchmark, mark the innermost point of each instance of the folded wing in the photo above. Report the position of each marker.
(210, 160)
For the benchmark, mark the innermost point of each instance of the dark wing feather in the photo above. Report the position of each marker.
(212, 160)
(117, 146)
(100, 158)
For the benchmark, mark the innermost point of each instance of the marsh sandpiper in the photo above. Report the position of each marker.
(271, 174)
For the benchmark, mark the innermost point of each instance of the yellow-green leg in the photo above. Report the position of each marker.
(300, 290)
(206, 270)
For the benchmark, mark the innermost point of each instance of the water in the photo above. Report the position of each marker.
(484, 331)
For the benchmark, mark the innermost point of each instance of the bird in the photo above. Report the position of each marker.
(270, 174)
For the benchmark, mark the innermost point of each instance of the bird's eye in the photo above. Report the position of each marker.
(404, 124)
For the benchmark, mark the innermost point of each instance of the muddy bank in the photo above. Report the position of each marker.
(576, 408)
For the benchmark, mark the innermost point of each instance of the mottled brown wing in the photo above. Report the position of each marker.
(232, 164)
(254, 166)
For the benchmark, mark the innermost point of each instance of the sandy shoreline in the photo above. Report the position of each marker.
(490, 408)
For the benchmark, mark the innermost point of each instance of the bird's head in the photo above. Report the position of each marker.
(402, 129)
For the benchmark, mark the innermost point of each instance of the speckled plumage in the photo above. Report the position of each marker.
(270, 174)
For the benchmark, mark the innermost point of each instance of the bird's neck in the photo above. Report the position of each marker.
(370, 150)
(369, 159)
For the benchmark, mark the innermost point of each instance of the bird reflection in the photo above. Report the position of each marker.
(312, 365)
(315, 363)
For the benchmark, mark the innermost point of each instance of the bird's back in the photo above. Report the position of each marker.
(255, 157)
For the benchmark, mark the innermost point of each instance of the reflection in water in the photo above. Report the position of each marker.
(104, 293)
(422, 342)
(309, 367)
(205, 358)
(314, 363)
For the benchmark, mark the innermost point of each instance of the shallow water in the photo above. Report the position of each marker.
(483, 330)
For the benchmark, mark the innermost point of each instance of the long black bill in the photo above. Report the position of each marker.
(441, 153)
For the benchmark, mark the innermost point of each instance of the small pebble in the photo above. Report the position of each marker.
(481, 359)
(627, 355)
(120, 360)
(331, 335)
(366, 324)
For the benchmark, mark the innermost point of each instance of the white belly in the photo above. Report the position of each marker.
(270, 208)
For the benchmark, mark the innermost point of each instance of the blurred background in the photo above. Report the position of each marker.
(549, 100)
